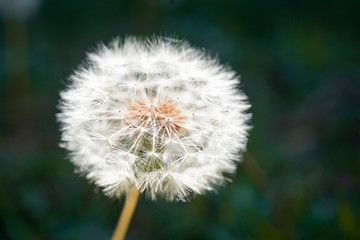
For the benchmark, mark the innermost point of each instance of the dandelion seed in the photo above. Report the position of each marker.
(154, 114)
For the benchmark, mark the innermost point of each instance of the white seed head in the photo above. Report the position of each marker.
(154, 114)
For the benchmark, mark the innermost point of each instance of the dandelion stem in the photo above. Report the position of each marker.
(126, 215)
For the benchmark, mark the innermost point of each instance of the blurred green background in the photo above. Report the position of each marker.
(300, 66)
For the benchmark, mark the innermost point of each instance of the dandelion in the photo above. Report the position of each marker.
(154, 115)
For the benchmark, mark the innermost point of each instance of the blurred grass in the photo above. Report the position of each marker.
(299, 64)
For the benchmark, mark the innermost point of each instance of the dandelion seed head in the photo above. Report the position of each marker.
(154, 114)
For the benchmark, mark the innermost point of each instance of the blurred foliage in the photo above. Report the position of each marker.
(300, 66)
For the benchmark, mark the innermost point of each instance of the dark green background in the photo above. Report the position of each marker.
(299, 63)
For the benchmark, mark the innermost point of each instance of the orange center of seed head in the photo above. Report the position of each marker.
(165, 117)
